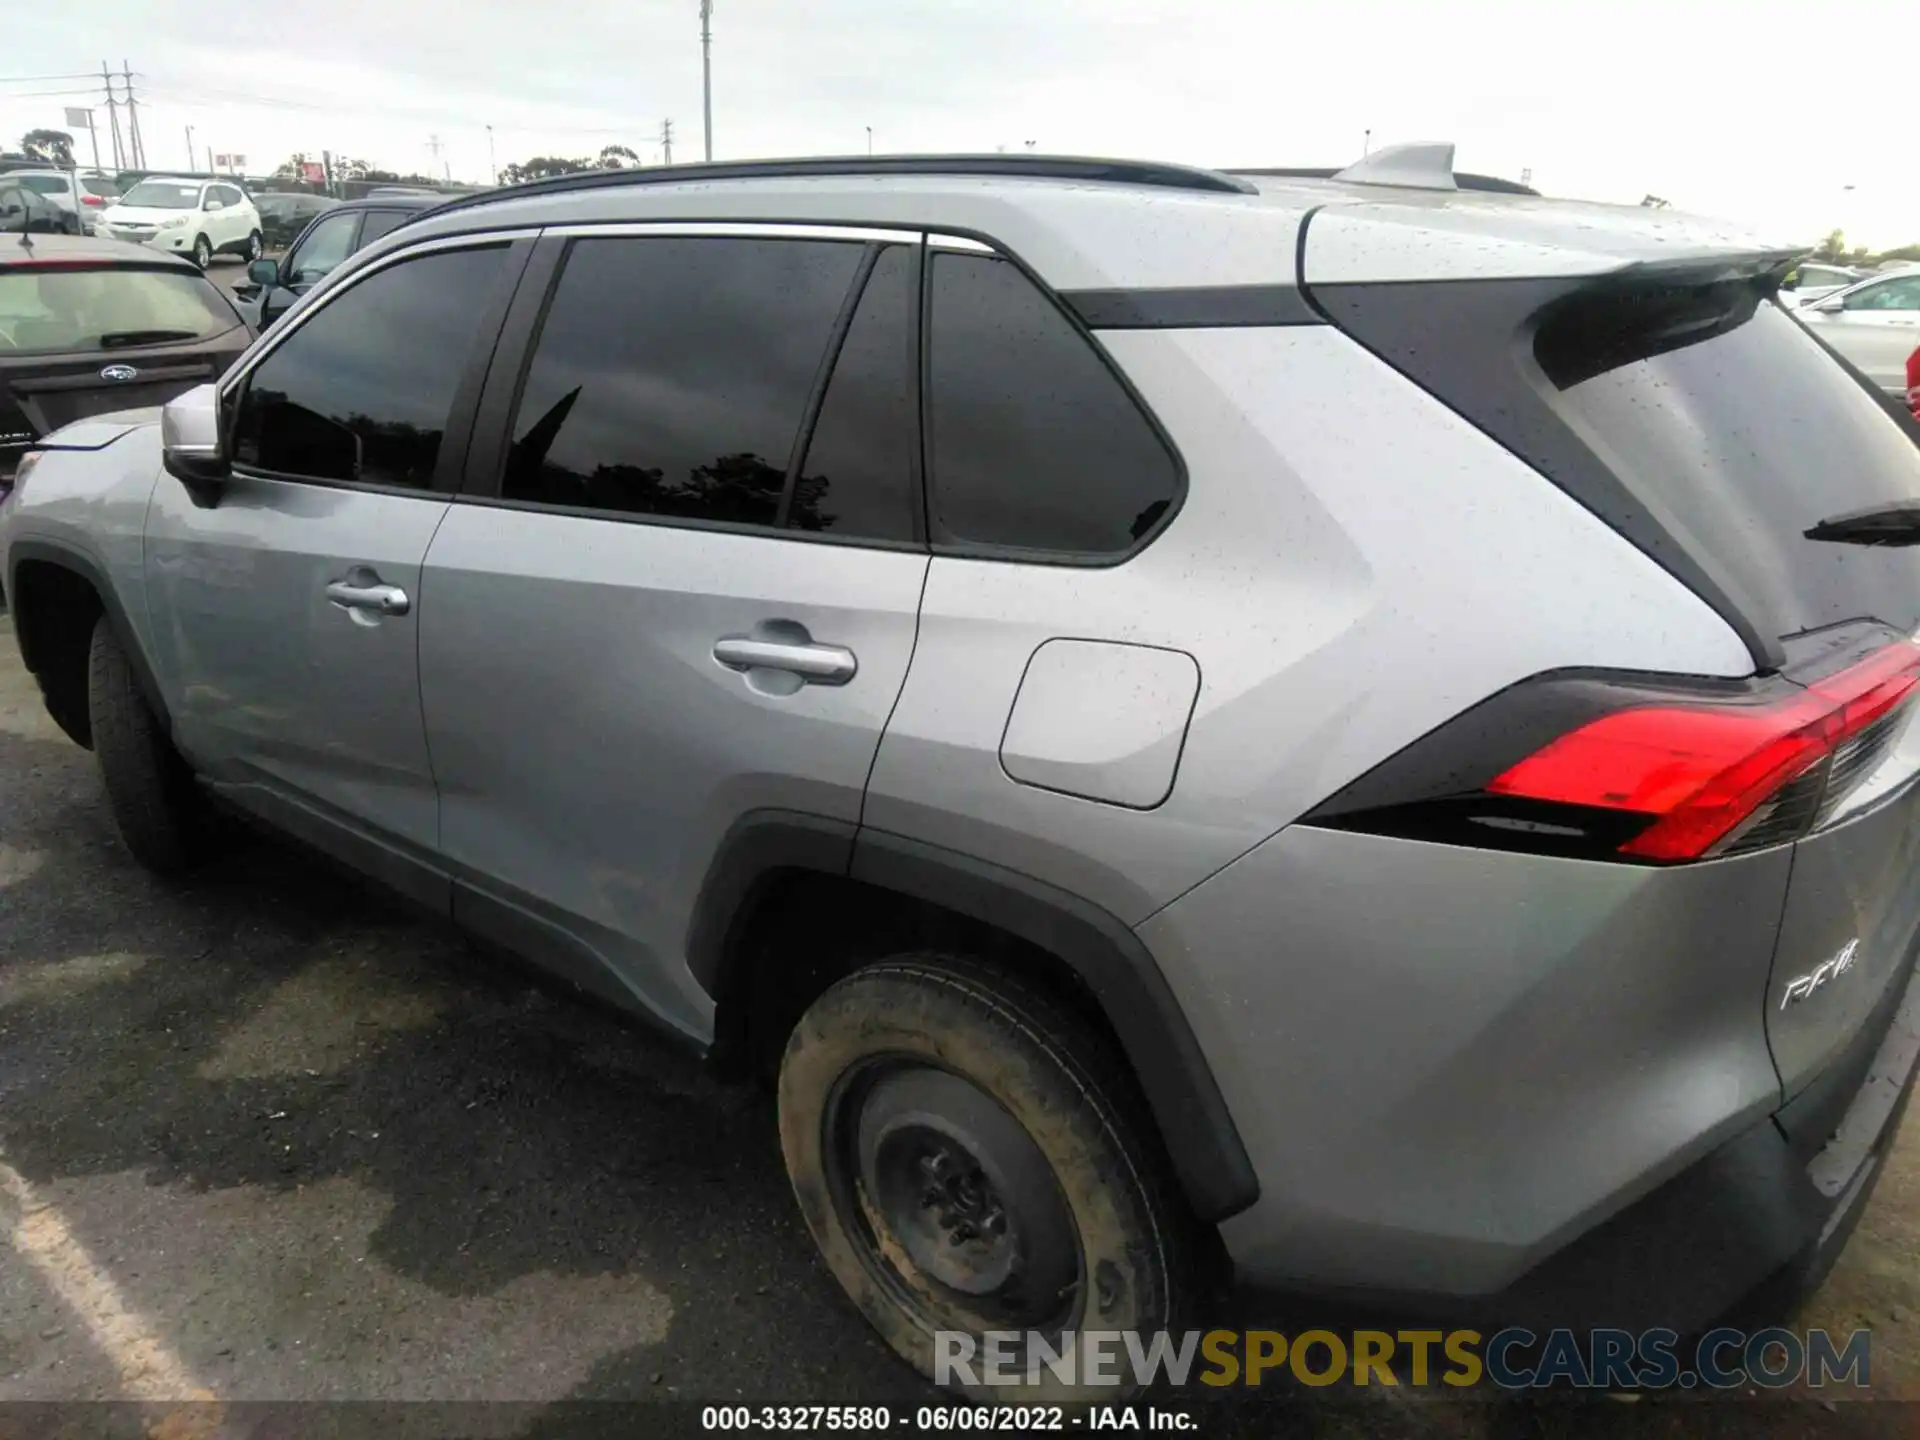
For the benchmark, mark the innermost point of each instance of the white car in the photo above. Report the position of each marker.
(1814, 281)
(186, 216)
(1875, 324)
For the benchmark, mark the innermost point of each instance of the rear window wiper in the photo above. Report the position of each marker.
(1882, 525)
(114, 339)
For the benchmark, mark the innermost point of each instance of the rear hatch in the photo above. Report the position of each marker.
(85, 339)
(1675, 399)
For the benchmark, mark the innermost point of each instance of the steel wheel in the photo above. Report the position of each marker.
(953, 1207)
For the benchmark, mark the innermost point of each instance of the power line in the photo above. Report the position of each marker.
(39, 79)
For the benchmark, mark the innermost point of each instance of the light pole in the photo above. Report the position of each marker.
(869, 139)
(706, 74)
(493, 169)
(189, 149)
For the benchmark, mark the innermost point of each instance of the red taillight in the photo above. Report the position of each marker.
(91, 200)
(1701, 771)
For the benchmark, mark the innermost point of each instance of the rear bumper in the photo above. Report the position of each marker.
(1741, 1234)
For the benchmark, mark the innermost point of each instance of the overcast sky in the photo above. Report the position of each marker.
(1722, 109)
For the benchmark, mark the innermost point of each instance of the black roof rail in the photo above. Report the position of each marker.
(1022, 166)
(1461, 178)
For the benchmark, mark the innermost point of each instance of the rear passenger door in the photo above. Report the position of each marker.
(682, 585)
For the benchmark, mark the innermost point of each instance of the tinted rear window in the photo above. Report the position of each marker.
(1740, 442)
(47, 311)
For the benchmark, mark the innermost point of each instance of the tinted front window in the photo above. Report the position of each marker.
(671, 376)
(1744, 441)
(857, 478)
(99, 185)
(363, 390)
(328, 243)
(55, 310)
(1035, 444)
(45, 184)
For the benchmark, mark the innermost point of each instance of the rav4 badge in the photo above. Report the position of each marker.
(1802, 986)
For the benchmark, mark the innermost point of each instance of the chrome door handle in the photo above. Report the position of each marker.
(821, 664)
(381, 599)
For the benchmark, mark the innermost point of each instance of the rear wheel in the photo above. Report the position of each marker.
(202, 251)
(970, 1158)
(255, 247)
(157, 806)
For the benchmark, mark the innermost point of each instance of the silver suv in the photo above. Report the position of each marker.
(1354, 726)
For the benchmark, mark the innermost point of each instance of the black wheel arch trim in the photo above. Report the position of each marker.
(72, 558)
(1208, 1155)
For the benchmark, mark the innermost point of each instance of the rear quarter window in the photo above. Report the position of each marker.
(1036, 446)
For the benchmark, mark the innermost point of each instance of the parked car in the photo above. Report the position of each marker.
(29, 212)
(1813, 281)
(283, 215)
(1913, 383)
(1343, 721)
(89, 326)
(186, 216)
(58, 190)
(273, 285)
(1875, 324)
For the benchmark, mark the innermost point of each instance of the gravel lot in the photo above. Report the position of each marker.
(317, 1149)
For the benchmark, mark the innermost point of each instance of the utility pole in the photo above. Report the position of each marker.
(433, 144)
(492, 167)
(706, 76)
(189, 148)
(1366, 143)
(113, 118)
(869, 139)
(133, 118)
(666, 140)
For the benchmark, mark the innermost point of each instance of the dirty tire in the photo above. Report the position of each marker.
(901, 1039)
(202, 251)
(160, 812)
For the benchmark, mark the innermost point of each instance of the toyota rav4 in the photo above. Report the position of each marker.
(1359, 725)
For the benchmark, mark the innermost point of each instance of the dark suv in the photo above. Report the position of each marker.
(273, 285)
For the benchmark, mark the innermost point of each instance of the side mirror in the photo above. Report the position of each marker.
(190, 442)
(264, 273)
(1832, 305)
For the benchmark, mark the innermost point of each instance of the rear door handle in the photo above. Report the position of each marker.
(380, 599)
(820, 664)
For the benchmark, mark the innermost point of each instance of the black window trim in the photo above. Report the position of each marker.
(456, 440)
(513, 361)
(944, 544)
(514, 357)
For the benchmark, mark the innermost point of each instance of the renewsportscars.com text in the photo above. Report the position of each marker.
(1512, 1359)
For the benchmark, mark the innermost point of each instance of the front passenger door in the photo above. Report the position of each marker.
(286, 616)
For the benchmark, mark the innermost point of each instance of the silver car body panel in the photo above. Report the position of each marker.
(591, 750)
(1404, 530)
(1440, 1090)
(279, 694)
